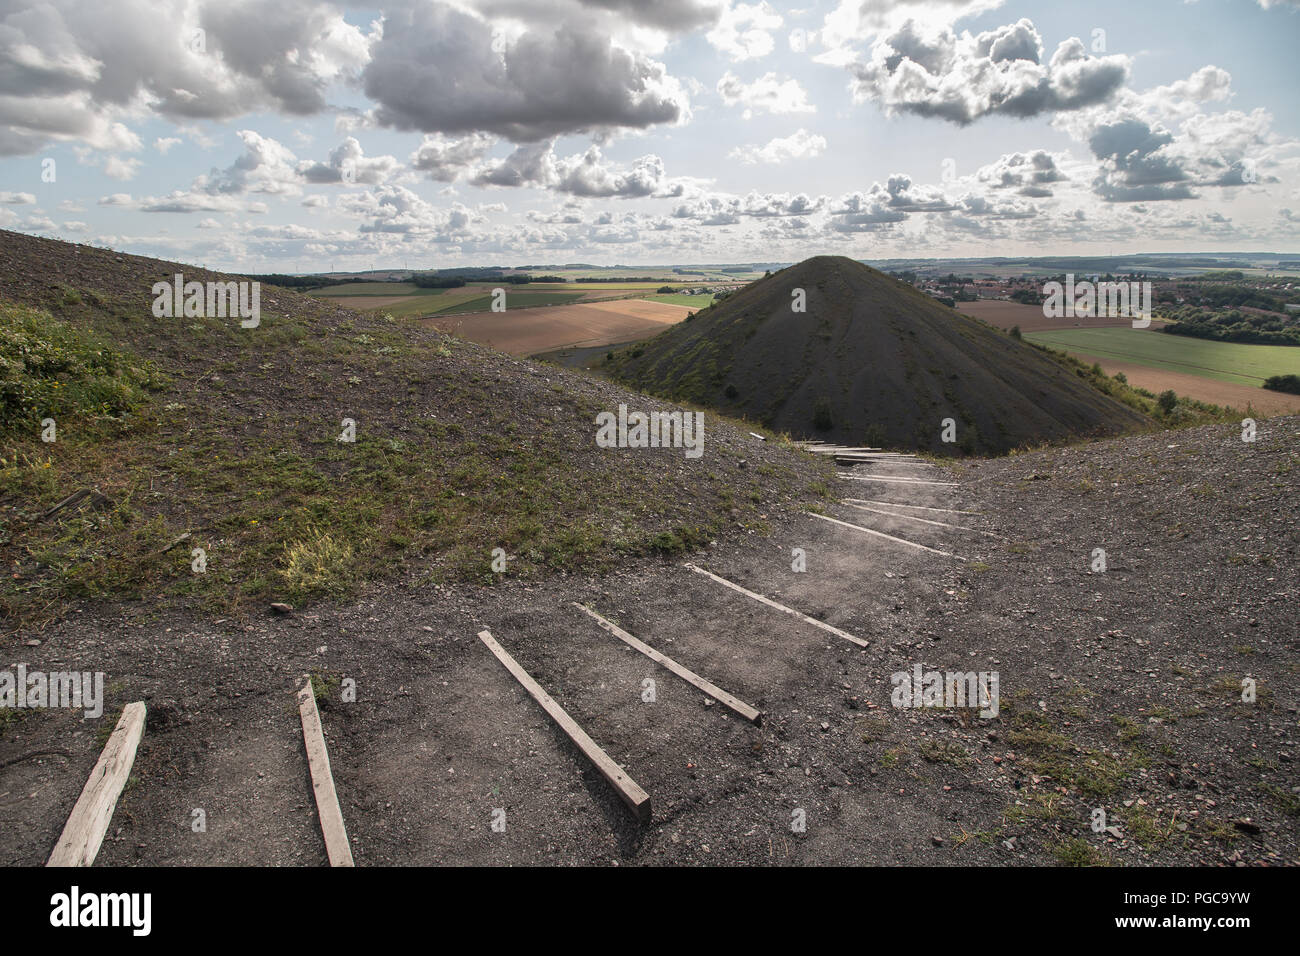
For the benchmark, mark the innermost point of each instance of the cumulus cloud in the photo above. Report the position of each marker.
(266, 166)
(961, 77)
(584, 175)
(724, 210)
(16, 199)
(440, 69)
(769, 93)
(444, 159)
(672, 15)
(744, 31)
(347, 163)
(885, 204)
(396, 209)
(1160, 144)
(1029, 174)
(800, 144)
(73, 68)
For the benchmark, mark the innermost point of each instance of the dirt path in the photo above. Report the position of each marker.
(1116, 691)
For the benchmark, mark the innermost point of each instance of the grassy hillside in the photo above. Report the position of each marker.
(193, 433)
(870, 360)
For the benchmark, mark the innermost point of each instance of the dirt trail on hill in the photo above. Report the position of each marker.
(1119, 690)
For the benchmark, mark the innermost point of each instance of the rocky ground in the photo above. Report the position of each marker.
(1120, 690)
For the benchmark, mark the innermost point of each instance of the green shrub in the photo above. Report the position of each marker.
(51, 369)
(1283, 383)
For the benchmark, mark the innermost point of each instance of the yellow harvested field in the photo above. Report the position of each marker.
(582, 325)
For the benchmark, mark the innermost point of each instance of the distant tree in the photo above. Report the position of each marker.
(1283, 383)
(1015, 331)
(1167, 400)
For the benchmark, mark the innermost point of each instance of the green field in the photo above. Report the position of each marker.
(694, 301)
(514, 300)
(375, 288)
(1225, 361)
(414, 306)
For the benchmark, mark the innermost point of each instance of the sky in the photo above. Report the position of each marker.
(293, 136)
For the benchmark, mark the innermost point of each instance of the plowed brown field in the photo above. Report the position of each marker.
(528, 331)
(1030, 318)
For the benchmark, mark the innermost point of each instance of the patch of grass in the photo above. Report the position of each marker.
(1077, 851)
(1129, 729)
(52, 370)
(1047, 753)
(938, 750)
(319, 564)
(1145, 827)
(1287, 802)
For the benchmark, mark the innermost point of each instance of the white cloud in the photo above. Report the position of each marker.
(444, 159)
(743, 32)
(798, 145)
(439, 69)
(769, 93)
(348, 164)
(961, 77)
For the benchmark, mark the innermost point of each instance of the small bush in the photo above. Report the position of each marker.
(1283, 383)
(1167, 400)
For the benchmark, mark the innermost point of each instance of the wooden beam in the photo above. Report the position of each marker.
(940, 524)
(734, 704)
(322, 780)
(84, 832)
(780, 607)
(638, 800)
(904, 481)
(881, 534)
(899, 504)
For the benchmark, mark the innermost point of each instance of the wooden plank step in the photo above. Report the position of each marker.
(780, 607)
(735, 704)
(638, 800)
(904, 481)
(881, 534)
(84, 832)
(322, 779)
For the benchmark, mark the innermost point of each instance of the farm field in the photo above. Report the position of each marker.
(690, 301)
(350, 289)
(1224, 361)
(514, 300)
(1030, 318)
(580, 325)
(1203, 389)
(1224, 373)
(410, 306)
